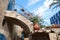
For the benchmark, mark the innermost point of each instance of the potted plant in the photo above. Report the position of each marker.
(36, 22)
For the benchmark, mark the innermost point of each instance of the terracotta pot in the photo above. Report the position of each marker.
(36, 27)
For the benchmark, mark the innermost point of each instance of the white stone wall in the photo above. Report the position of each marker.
(52, 36)
(3, 7)
(57, 30)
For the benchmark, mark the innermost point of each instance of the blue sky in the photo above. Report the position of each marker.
(38, 7)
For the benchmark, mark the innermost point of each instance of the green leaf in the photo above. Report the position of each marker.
(55, 2)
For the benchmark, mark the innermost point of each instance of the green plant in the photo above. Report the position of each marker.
(37, 19)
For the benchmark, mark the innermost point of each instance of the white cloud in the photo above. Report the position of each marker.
(40, 11)
(31, 2)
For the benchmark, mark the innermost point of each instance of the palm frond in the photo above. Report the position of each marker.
(37, 19)
(56, 0)
(53, 4)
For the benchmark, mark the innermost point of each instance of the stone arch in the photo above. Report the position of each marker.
(12, 21)
(15, 15)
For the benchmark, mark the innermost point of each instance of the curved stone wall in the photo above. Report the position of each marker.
(15, 15)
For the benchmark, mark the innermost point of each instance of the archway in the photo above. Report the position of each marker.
(12, 21)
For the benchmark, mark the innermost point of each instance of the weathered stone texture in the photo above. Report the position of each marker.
(3, 4)
(57, 30)
(3, 7)
(52, 36)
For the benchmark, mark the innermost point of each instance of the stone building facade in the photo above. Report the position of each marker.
(12, 23)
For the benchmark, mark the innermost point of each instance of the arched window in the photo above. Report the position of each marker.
(2, 37)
